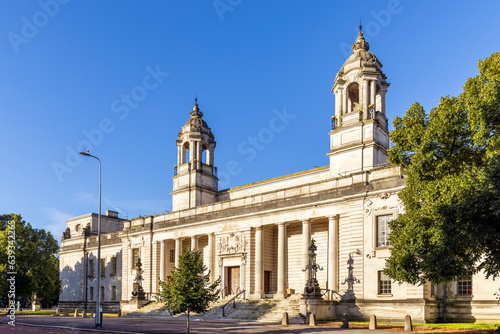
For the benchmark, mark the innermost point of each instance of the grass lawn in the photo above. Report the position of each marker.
(427, 328)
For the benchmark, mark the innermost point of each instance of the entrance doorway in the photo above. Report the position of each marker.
(267, 280)
(233, 280)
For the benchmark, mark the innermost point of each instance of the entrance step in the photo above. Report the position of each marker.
(268, 310)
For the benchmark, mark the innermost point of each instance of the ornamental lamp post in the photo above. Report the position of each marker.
(98, 322)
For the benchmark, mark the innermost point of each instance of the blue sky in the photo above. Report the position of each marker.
(121, 76)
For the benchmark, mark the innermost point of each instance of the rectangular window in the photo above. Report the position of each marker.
(91, 293)
(102, 293)
(135, 257)
(91, 271)
(464, 287)
(172, 255)
(103, 268)
(113, 292)
(113, 265)
(384, 284)
(383, 230)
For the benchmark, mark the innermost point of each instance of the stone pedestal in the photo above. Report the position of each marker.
(36, 305)
(132, 305)
(323, 309)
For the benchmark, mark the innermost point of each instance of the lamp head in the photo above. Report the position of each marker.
(85, 153)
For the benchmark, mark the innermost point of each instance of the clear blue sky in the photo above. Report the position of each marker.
(67, 68)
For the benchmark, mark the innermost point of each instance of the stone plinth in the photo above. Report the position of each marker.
(323, 309)
(132, 305)
(36, 305)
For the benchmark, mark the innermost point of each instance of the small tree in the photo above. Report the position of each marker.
(188, 289)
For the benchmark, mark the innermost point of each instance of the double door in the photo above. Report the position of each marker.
(233, 280)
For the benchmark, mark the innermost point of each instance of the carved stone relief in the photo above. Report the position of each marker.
(383, 201)
(232, 243)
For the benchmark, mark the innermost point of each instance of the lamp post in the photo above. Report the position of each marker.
(97, 306)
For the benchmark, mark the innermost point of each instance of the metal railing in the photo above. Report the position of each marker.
(151, 296)
(232, 300)
(331, 295)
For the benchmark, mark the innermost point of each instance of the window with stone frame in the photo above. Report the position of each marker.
(103, 268)
(383, 230)
(135, 257)
(102, 293)
(113, 292)
(464, 287)
(91, 293)
(91, 270)
(384, 284)
(172, 256)
(113, 265)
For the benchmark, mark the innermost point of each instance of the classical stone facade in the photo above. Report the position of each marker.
(256, 236)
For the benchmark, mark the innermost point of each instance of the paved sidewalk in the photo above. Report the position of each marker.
(152, 325)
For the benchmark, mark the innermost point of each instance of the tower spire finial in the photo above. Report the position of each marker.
(360, 25)
(196, 110)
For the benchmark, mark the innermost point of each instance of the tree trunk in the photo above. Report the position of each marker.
(188, 324)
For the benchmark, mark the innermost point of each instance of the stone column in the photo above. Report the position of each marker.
(211, 256)
(179, 155)
(194, 243)
(382, 98)
(345, 108)
(306, 241)
(209, 156)
(200, 152)
(281, 261)
(373, 90)
(162, 259)
(192, 153)
(259, 261)
(178, 246)
(366, 97)
(333, 253)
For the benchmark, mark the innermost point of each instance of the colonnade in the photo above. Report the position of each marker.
(282, 256)
(196, 149)
(367, 97)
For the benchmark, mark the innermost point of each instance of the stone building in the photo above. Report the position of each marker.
(255, 237)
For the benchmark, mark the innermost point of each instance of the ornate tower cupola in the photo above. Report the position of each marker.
(195, 180)
(359, 138)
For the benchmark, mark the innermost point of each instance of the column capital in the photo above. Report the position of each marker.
(306, 221)
(333, 217)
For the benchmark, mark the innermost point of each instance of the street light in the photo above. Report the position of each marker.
(97, 306)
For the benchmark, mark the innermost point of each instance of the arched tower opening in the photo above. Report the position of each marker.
(353, 97)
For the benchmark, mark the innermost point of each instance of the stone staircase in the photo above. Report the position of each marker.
(267, 310)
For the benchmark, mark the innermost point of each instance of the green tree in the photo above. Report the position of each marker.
(188, 289)
(36, 261)
(450, 158)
